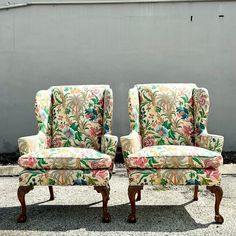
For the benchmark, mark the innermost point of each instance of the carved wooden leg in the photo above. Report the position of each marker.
(132, 191)
(217, 190)
(139, 196)
(105, 191)
(51, 193)
(195, 198)
(22, 190)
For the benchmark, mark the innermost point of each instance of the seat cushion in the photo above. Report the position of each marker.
(65, 159)
(174, 156)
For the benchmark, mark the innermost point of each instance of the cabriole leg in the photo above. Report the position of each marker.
(217, 190)
(22, 190)
(51, 193)
(105, 191)
(195, 198)
(132, 191)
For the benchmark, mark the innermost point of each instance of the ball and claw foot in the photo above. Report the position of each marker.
(219, 219)
(106, 218)
(131, 218)
(21, 218)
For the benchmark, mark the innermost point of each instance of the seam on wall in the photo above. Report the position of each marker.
(88, 2)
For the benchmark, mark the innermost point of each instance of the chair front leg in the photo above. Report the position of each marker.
(105, 191)
(132, 191)
(195, 197)
(51, 193)
(217, 190)
(22, 190)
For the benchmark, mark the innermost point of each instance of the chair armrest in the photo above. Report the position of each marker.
(109, 145)
(130, 143)
(211, 142)
(31, 143)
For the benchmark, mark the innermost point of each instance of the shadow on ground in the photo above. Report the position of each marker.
(151, 218)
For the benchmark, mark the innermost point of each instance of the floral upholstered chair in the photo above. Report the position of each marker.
(169, 143)
(74, 145)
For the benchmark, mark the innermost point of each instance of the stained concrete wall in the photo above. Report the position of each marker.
(117, 44)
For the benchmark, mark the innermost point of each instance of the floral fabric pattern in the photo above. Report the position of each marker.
(65, 158)
(201, 110)
(42, 109)
(77, 116)
(109, 145)
(169, 143)
(174, 177)
(211, 142)
(74, 144)
(108, 111)
(166, 114)
(64, 177)
(133, 109)
(174, 157)
(30, 144)
(130, 143)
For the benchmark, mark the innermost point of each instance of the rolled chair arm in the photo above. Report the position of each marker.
(109, 145)
(31, 143)
(130, 143)
(211, 142)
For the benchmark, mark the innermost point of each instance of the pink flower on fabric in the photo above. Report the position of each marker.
(187, 130)
(213, 163)
(31, 161)
(101, 102)
(149, 141)
(212, 173)
(202, 100)
(100, 173)
(56, 142)
(94, 131)
(82, 145)
(141, 162)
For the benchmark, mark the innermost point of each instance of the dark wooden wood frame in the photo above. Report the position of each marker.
(132, 191)
(105, 191)
(23, 190)
(217, 190)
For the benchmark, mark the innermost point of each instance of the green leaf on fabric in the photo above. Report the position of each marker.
(67, 111)
(74, 126)
(185, 98)
(51, 182)
(205, 181)
(163, 182)
(198, 161)
(166, 124)
(161, 142)
(41, 162)
(67, 144)
(158, 109)
(78, 136)
(199, 171)
(172, 134)
(148, 99)
(85, 163)
(95, 100)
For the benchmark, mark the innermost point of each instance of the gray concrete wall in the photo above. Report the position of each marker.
(117, 44)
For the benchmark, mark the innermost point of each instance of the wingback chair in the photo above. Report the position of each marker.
(74, 145)
(169, 143)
